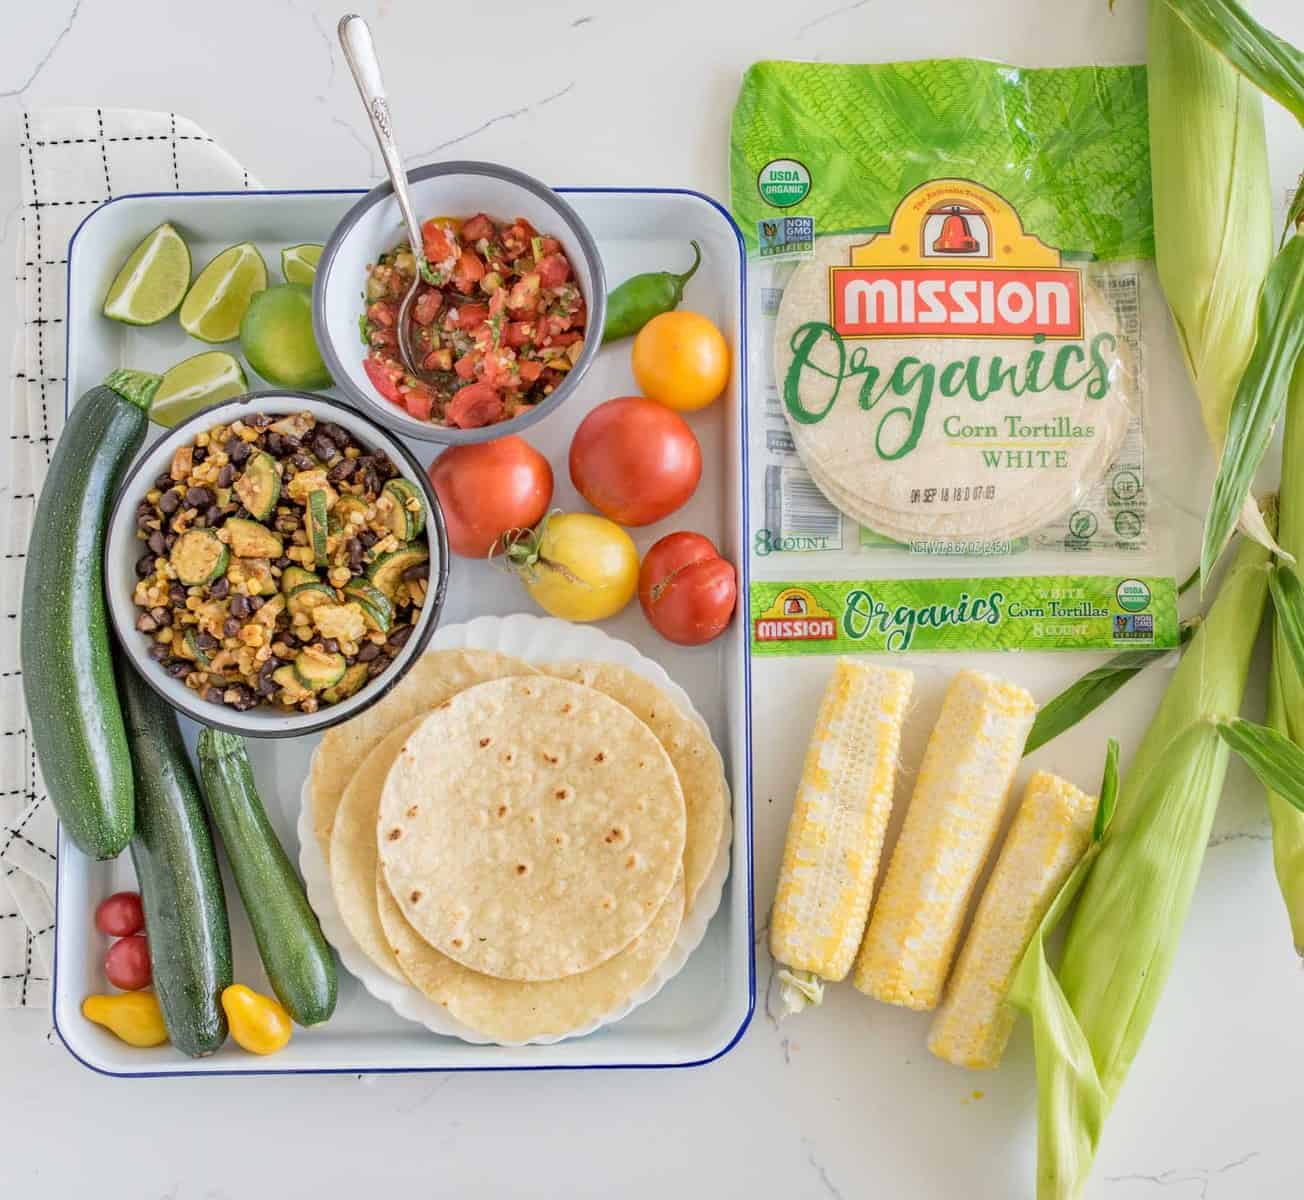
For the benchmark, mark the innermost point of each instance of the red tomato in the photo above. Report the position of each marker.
(475, 405)
(127, 963)
(437, 245)
(469, 315)
(553, 270)
(489, 488)
(687, 590)
(524, 298)
(549, 245)
(418, 400)
(479, 226)
(120, 915)
(383, 378)
(518, 333)
(427, 306)
(468, 272)
(529, 370)
(634, 460)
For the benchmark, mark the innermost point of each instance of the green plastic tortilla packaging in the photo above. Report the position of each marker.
(951, 285)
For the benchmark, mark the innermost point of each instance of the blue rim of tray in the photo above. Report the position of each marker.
(744, 568)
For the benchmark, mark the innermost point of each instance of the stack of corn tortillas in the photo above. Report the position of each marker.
(946, 485)
(518, 843)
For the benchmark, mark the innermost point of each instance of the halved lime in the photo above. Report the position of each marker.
(195, 383)
(299, 263)
(216, 302)
(276, 337)
(153, 280)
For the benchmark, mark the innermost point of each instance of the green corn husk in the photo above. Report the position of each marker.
(1285, 688)
(1090, 1016)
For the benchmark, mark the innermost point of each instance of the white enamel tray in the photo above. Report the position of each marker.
(535, 640)
(700, 1013)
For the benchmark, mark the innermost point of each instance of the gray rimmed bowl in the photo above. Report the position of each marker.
(373, 226)
(122, 549)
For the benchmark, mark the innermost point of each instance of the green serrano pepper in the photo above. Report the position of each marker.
(636, 301)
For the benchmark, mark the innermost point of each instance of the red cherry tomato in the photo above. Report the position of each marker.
(634, 460)
(687, 590)
(384, 379)
(487, 489)
(120, 915)
(127, 963)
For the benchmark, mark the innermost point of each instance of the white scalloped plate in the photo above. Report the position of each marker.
(535, 640)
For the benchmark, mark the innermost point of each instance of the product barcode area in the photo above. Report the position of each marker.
(799, 511)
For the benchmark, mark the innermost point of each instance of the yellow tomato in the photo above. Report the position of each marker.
(258, 1023)
(681, 360)
(578, 566)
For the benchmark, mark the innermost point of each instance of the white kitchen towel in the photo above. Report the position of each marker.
(70, 161)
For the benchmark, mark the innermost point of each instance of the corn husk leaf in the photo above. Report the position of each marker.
(1294, 213)
(1090, 1016)
(1288, 612)
(1271, 63)
(1272, 756)
(1083, 696)
(1260, 397)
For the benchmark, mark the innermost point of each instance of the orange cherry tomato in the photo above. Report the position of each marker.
(681, 360)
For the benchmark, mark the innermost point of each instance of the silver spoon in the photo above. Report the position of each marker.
(360, 54)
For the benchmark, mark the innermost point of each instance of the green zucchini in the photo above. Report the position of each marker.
(319, 669)
(76, 722)
(293, 577)
(259, 487)
(249, 539)
(403, 522)
(199, 557)
(377, 611)
(386, 573)
(298, 963)
(316, 520)
(180, 885)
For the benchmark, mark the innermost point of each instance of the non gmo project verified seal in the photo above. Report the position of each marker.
(1134, 627)
(786, 237)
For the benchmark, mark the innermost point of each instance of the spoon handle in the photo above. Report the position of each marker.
(360, 53)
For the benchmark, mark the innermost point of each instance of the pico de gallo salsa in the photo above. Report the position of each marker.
(497, 322)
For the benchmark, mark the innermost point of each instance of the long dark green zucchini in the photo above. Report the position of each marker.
(76, 723)
(298, 963)
(180, 885)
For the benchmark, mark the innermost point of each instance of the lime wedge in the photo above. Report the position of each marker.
(195, 383)
(216, 302)
(277, 339)
(153, 280)
(299, 263)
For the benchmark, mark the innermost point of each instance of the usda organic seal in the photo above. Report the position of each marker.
(1132, 595)
(783, 182)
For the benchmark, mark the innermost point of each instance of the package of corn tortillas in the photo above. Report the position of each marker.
(950, 286)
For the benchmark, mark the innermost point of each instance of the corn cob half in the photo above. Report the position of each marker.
(955, 812)
(835, 835)
(1051, 832)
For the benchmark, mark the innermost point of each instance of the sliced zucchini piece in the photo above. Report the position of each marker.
(405, 515)
(198, 557)
(296, 425)
(249, 539)
(258, 577)
(288, 682)
(308, 596)
(319, 669)
(271, 609)
(377, 611)
(259, 488)
(293, 577)
(387, 571)
(316, 525)
(190, 639)
(342, 514)
(354, 677)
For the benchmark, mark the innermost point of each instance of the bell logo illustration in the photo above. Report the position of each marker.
(955, 236)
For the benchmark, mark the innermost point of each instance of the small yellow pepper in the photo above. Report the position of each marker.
(258, 1023)
(135, 1017)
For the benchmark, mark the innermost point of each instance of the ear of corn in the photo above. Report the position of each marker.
(1088, 1023)
(1050, 833)
(954, 815)
(835, 835)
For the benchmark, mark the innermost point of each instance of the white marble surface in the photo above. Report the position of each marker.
(846, 1103)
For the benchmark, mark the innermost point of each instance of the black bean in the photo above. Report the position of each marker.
(177, 594)
(213, 694)
(368, 651)
(368, 539)
(302, 461)
(282, 562)
(163, 481)
(324, 448)
(341, 471)
(158, 543)
(145, 566)
(206, 641)
(169, 540)
(240, 452)
(219, 588)
(169, 502)
(398, 637)
(230, 627)
(143, 508)
(145, 623)
(337, 434)
(331, 646)
(214, 516)
(376, 666)
(240, 607)
(158, 652)
(145, 521)
(419, 570)
(355, 552)
(386, 468)
(199, 497)
(230, 445)
(226, 476)
(161, 615)
(258, 421)
(256, 602)
(275, 444)
(177, 667)
(244, 697)
(290, 444)
(198, 454)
